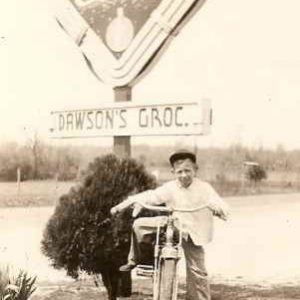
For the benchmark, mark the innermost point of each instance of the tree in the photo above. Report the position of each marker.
(12, 157)
(36, 148)
(81, 235)
(255, 173)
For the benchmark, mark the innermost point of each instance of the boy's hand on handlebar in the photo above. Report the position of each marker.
(114, 210)
(217, 211)
(222, 216)
(136, 209)
(213, 207)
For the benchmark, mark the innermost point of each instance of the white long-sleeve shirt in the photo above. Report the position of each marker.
(198, 224)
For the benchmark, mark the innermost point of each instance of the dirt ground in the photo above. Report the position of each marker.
(142, 291)
(255, 255)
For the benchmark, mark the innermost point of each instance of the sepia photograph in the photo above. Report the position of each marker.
(149, 150)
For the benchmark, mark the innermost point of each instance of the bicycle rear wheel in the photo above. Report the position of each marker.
(167, 279)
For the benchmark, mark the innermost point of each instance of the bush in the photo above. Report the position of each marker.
(256, 173)
(81, 235)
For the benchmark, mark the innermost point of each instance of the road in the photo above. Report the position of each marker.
(260, 241)
(259, 244)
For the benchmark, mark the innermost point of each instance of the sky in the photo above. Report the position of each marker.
(244, 55)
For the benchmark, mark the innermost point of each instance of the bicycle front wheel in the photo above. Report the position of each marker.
(167, 279)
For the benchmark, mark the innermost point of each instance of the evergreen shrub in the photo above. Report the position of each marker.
(82, 235)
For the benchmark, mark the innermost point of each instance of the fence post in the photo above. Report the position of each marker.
(18, 181)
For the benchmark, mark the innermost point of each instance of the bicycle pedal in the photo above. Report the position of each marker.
(144, 270)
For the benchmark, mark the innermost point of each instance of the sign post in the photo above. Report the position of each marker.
(122, 145)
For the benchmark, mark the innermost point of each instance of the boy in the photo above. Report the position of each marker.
(186, 191)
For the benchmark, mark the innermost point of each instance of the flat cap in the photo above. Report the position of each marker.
(182, 154)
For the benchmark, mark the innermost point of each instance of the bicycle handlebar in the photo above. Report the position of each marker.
(170, 210)
(123, 205)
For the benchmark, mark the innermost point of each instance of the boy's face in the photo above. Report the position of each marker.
(184, 171)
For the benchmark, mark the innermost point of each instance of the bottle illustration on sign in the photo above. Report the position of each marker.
(119, 32)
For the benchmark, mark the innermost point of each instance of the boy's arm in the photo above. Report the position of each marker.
(152, 197)
(121, 206)
(217, 205)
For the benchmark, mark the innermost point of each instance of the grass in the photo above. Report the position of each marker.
(47, 192)
(18, 287)
(32, 193)
(4, 279)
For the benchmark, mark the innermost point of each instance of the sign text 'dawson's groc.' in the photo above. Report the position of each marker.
(161, 119)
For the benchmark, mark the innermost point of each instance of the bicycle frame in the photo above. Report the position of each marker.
(161, 254)
(166, 257)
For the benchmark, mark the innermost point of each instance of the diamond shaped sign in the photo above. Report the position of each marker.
(120, 38)
(109, 19)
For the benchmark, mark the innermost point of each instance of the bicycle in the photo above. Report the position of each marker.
(166, 255)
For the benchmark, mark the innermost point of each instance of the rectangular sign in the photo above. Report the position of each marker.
(128, 119)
